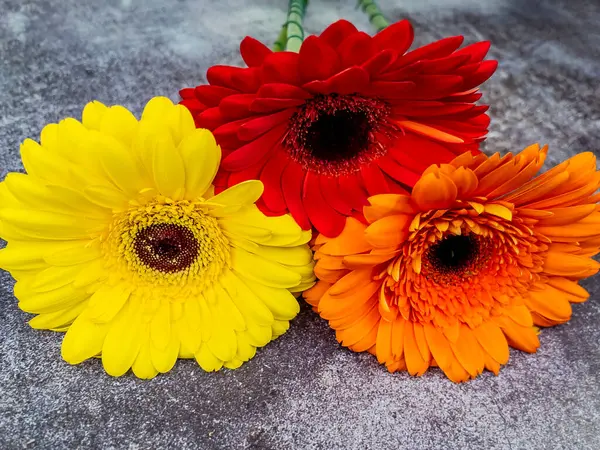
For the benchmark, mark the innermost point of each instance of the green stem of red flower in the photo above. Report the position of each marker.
(294, 30)
(279, 44)
(375, 15)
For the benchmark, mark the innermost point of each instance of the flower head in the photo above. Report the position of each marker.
(348, 116)
(465, 266)
(116, 237)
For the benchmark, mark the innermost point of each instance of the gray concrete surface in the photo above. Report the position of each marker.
(302, 391)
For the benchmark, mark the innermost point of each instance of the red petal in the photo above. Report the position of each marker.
(236, 106)
(280, 90)
(438, 49)
(356, 49)
(416, 109)
(193, 105)
(397, 172)
(254, 151)
(485, 70)
(281, 67)
(292, 183)
(337, 32)
(443, 65)
(247, 80)
(389, 89)
(271, 178)
(379, 62)
(187, 93)
(422, 149)
(212, 95)
(324, 218)
(374, 179)
(349, 81)
(267, 105)
(403, 158)
(253, 52)
(395, 187)
(221, 75)
(398, 36)
(471, 97)
(353, 189)
(211, 119)
(476, 51)
(333, 196)
(434, 86)
(317, 61)
(251, 173)
(255, 127)
(226, 134)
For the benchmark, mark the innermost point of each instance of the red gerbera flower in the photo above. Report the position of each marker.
(347, 117)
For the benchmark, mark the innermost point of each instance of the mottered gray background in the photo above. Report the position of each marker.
(303, 390)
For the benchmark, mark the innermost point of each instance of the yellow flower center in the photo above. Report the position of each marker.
(166, 243)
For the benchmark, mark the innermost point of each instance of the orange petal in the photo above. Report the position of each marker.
(575, 293)
(415, 363)
(430, 132)
(498, 210)
(331, 307)
(466, 182)
(383, 205)
(569, 265)
(468, 351)
(434, 191)
(492, 339)
(387, 311)
(360, 330)
(519, 314)
(549, 303)
(438, 345)
(314, 294)
(351, 281)
(519, 337)
(569, 215)
(367, 342)
(422, 342)
(353, 316)
(491, 364)
(383, 343)
(523, 176)
(390, 231)
(398, 337)
(364, 261)
(350, 241)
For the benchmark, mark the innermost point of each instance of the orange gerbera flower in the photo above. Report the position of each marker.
(464, 267)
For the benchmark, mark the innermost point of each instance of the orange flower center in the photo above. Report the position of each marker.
(462, 266)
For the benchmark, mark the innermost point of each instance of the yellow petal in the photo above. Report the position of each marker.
(244, 193)
(142, 366)
(119, 123)
(262, 270)
(168, 170)
(201, 157)
(83, 340)
(123, 341)
(92, 114)
(207, 360)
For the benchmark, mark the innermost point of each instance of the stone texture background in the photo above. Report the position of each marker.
(302, 391)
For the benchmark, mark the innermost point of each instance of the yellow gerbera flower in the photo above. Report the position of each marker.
(116, 237)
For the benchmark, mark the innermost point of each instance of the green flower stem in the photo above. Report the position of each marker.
(281, 39)
(375, 15)
(294, 31)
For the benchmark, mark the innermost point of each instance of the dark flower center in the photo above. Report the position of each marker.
(454, 253)
(336, 134)
(166, 247)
